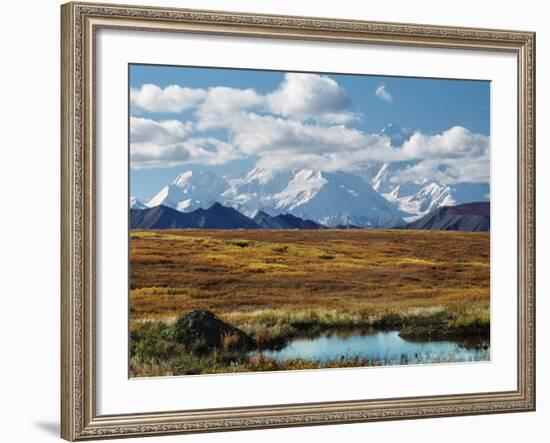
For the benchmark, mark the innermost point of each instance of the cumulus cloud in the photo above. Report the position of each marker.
(303, 123)
(257, 134)
(167, 143)
(383, 94)
(206, 151)
(454, 156)
(173, 98)
(456, 142)
(311, 96)
(299, 96)
(223, 104)
(144, 130)
(281, 143)
(446, 171)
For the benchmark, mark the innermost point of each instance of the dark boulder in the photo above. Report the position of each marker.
(200, 331)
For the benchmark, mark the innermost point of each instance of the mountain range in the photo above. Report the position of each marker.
(375, 195)
(471, 217)
(215, 217)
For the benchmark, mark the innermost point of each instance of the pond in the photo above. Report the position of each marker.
(387, 347)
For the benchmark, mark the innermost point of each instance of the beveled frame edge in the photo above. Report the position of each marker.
(78, 24)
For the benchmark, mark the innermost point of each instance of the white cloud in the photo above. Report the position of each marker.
(257, 134)
(456, 142)
(311, 96)
(383, 94)
(300, 124)
(223, 104)
(173, 98)
(206, 151)
(456, 155)
(285, 144)
(144, 130)
(161, 144)
(447, 171)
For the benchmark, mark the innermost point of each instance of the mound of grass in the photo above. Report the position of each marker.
(281, 249)
(240, 242)
(265, 267)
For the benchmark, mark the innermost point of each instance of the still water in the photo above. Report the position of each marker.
(386, 346)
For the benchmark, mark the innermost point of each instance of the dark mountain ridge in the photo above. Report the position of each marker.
(284, 221)
(158, 217)
(218, 216)
(215, 217)
(470, 217)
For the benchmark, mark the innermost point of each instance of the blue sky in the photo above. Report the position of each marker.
(231, 120)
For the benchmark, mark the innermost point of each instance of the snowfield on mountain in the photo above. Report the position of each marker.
(368, 198)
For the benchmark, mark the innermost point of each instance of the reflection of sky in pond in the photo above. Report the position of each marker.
(381, 345)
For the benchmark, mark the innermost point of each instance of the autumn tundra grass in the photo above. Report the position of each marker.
(274, 285)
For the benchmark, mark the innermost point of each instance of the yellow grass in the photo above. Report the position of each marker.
(241, 274)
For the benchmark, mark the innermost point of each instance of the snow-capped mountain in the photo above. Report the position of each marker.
(423, 197)
(190, 190)
(417, 198)
(384, 177)
(336, 199)
(256, 190)
(374, 197)
(136, 204)
(328, 198)
(420, 198)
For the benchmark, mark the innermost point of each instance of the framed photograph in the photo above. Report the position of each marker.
(277, 221)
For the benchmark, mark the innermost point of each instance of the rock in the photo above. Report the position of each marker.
(200, 331)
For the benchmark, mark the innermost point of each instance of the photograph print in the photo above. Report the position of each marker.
(303, 221)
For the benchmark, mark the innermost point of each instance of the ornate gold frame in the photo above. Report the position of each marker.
(80, 21)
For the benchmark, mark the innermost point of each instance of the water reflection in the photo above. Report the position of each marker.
(385, 346)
